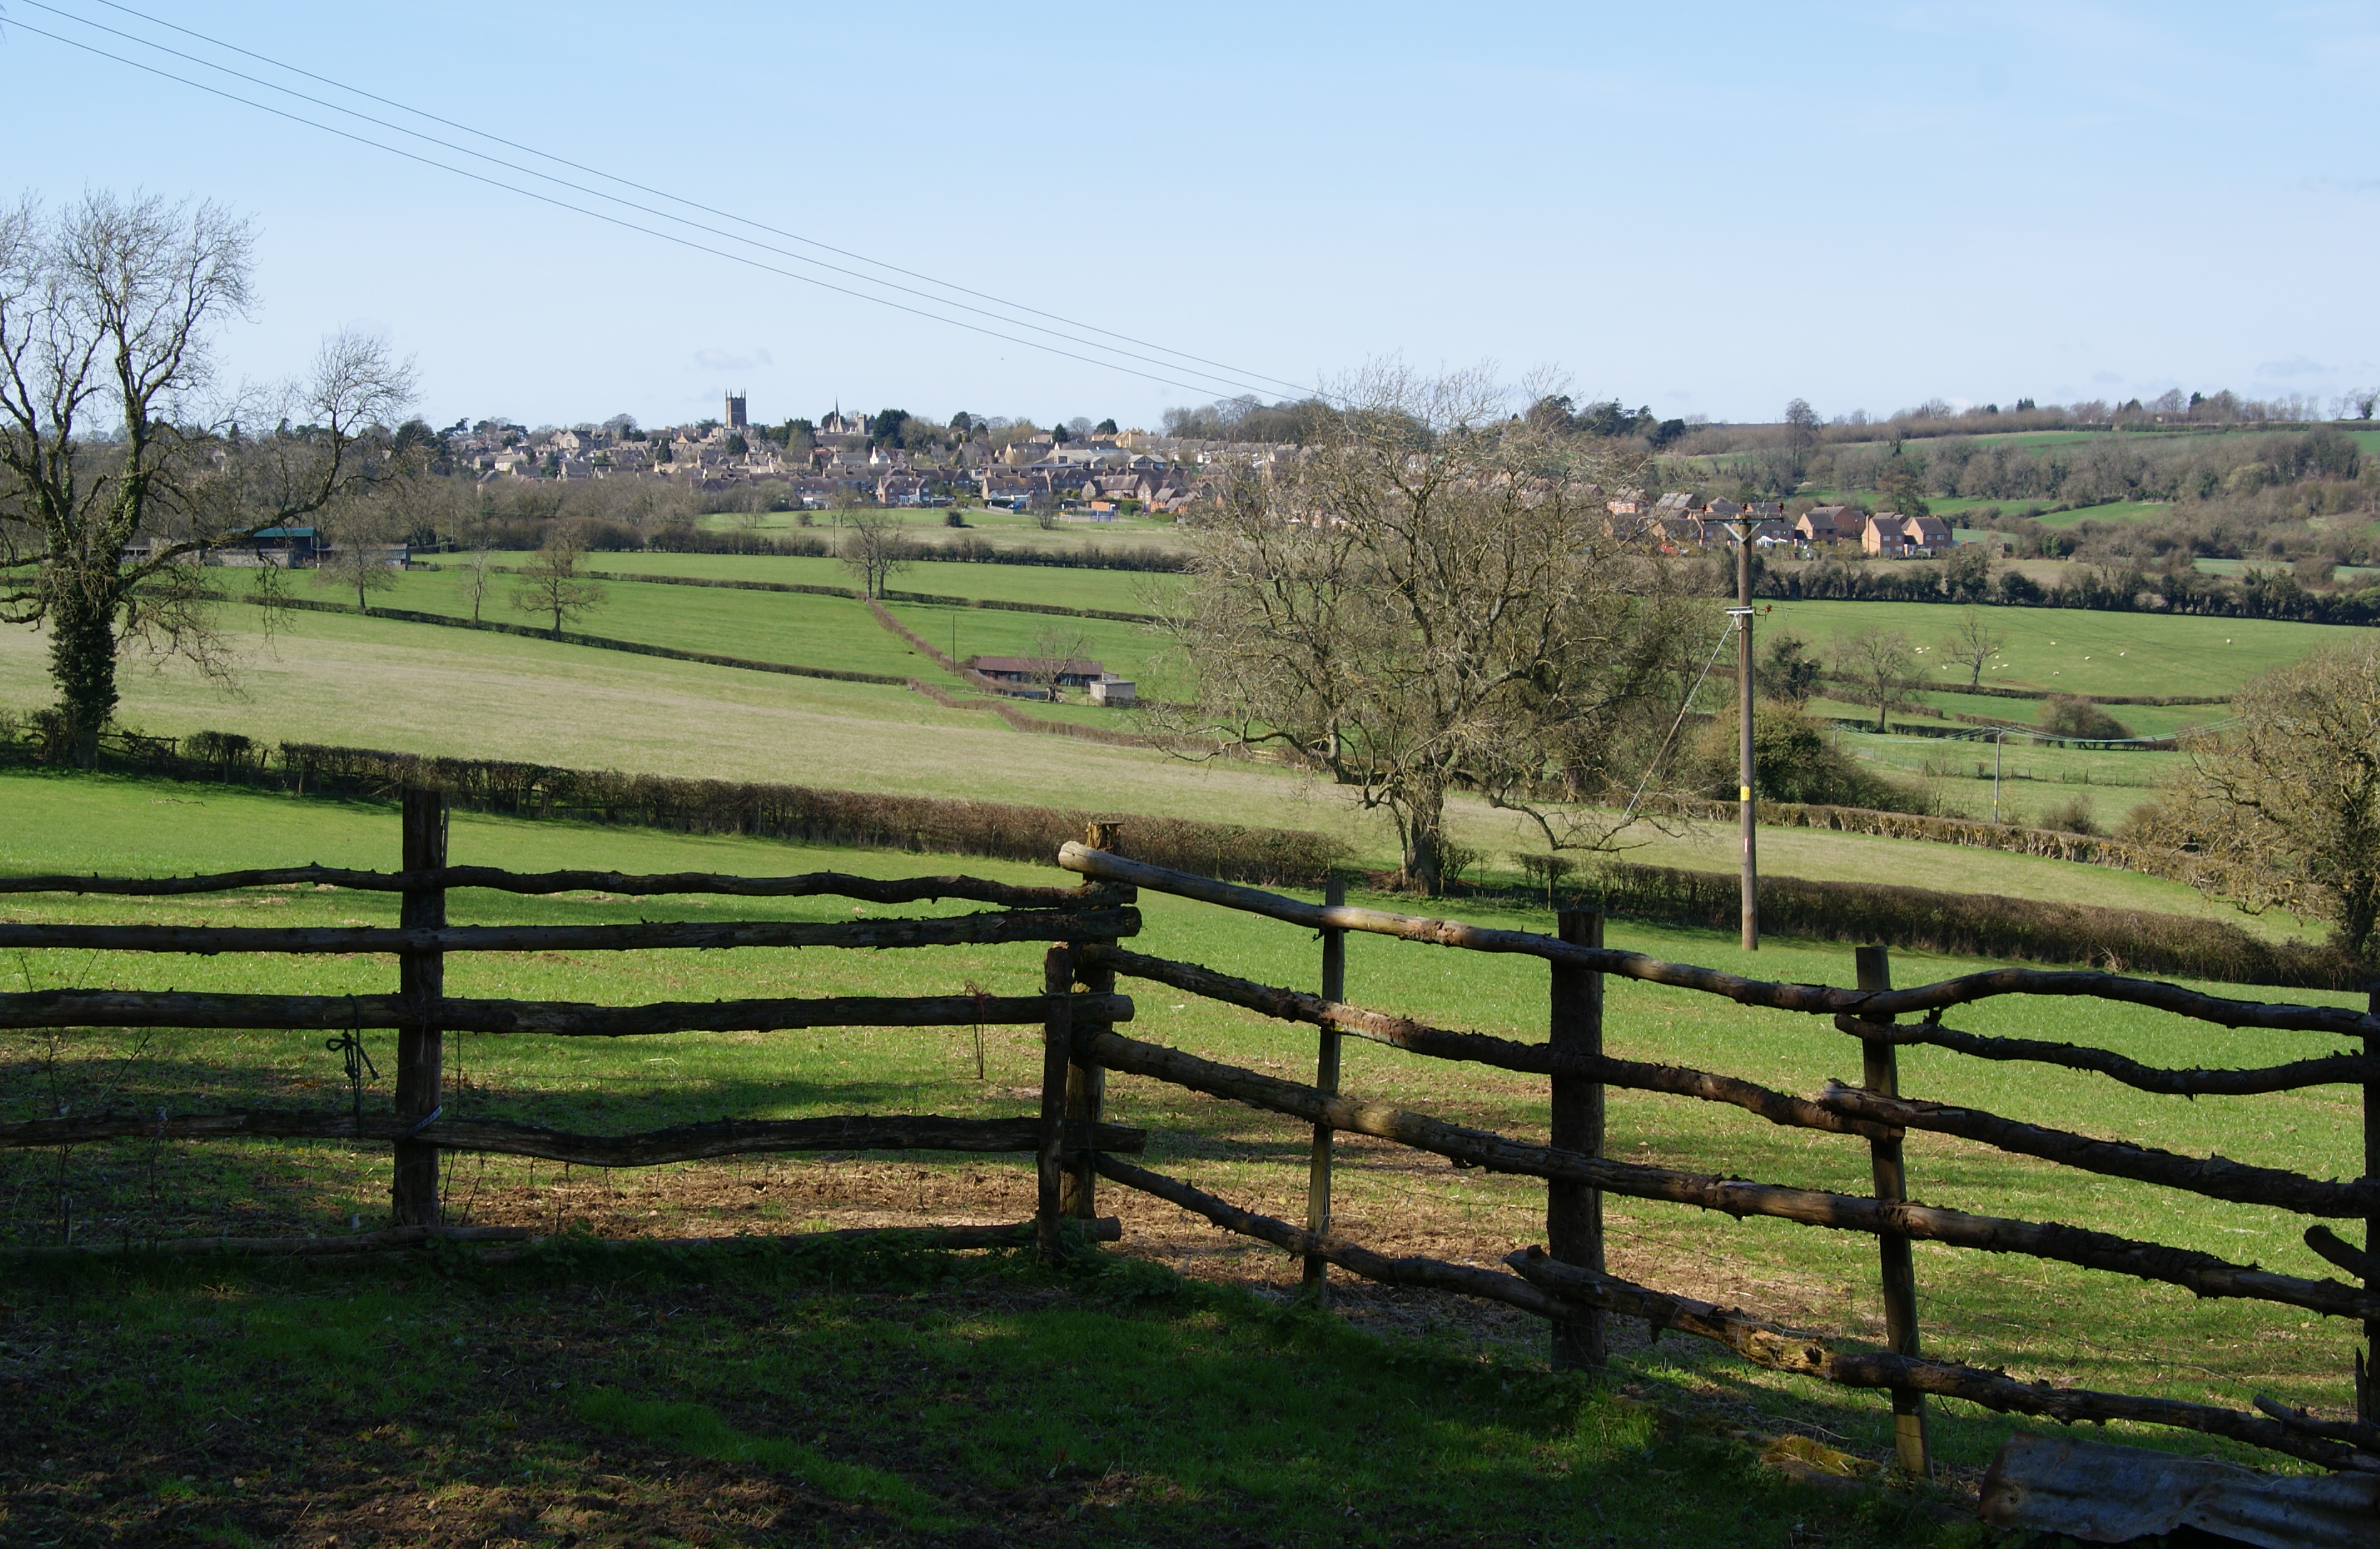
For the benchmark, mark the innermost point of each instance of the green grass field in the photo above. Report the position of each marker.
(2038, 1319)
(414, 687)
(767, 626)
(1122, 591)
(2074, 651)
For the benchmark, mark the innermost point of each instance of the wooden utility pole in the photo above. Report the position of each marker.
(1741, 614)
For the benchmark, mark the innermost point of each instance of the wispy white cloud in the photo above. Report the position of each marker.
(730, 360)
(2295, 365)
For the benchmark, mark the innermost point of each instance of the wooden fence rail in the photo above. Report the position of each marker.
(816, 884)
(956, 930)
(1073, 1146)
(2201, 1273)
(682, 1142)
(177, 1008)
(1565, 1282)
(1814, 999)
(419, 1128)
(2321, 1071)
(1560, 1292)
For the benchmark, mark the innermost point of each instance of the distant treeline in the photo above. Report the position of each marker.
(2119, 589)
(618, 539)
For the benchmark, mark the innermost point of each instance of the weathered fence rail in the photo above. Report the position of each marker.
(1565, 1281)
(419, 1128)
(1073, 1146)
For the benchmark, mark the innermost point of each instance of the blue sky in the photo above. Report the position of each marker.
(1709, 210)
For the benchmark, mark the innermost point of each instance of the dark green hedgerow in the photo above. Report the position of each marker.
(805, 814)
(1980, 925)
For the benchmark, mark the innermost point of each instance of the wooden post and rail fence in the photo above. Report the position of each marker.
(1080, 1011)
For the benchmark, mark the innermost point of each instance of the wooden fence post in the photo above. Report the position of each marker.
(2367, 1402)
(1326, 1079)
(1057, 1040)
(421, 976)
(1574, 1211)
(1880, 1073)
(1086, 1085)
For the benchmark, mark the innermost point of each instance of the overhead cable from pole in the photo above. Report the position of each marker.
(1225, 379)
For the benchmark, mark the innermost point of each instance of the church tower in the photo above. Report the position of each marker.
(736, 420)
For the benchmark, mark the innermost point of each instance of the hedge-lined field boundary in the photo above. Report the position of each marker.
(1007, 712)
(2053, 844)
(821, 589)
(1002, 706)
(2002, 691)
(862, 819)
(596, 642)
(1977, 925)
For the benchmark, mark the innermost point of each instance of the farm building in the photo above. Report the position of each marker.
(1023, 671)
(1026, 673)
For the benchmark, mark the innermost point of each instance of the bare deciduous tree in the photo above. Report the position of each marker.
(875, 546)
(362, 533)
(476, 575)
(2281, 809)
(107, 316)
(1974, 644)
(1058, 649)
(1429, 597)
(552, 584)
(1878, 660)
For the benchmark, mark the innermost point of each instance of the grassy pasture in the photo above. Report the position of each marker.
(2037, 1318)
(380, 683)
(886, 1399)
(2075, 650)
(1122, 591)
(767, 626)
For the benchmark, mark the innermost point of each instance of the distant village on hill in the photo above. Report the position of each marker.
(896, 459)
(889, 459)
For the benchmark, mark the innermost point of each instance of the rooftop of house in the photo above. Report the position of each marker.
(1027, 666)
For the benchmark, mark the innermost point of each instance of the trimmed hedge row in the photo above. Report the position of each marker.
(2002, 691)
(807, 814)
(1277, 858)
(2050, 844)
(1979, 924)
(1006, 606)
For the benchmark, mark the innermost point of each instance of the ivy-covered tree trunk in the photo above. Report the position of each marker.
(82, 659)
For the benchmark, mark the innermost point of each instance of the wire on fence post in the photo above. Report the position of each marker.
(1574, 1211)
(1087, 1083)
(1326, 1079)
(1057, 1033)
(421, 978)
(1880, 1073)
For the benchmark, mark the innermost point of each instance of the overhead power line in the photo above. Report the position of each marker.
(1184, 363)
(600, 215)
